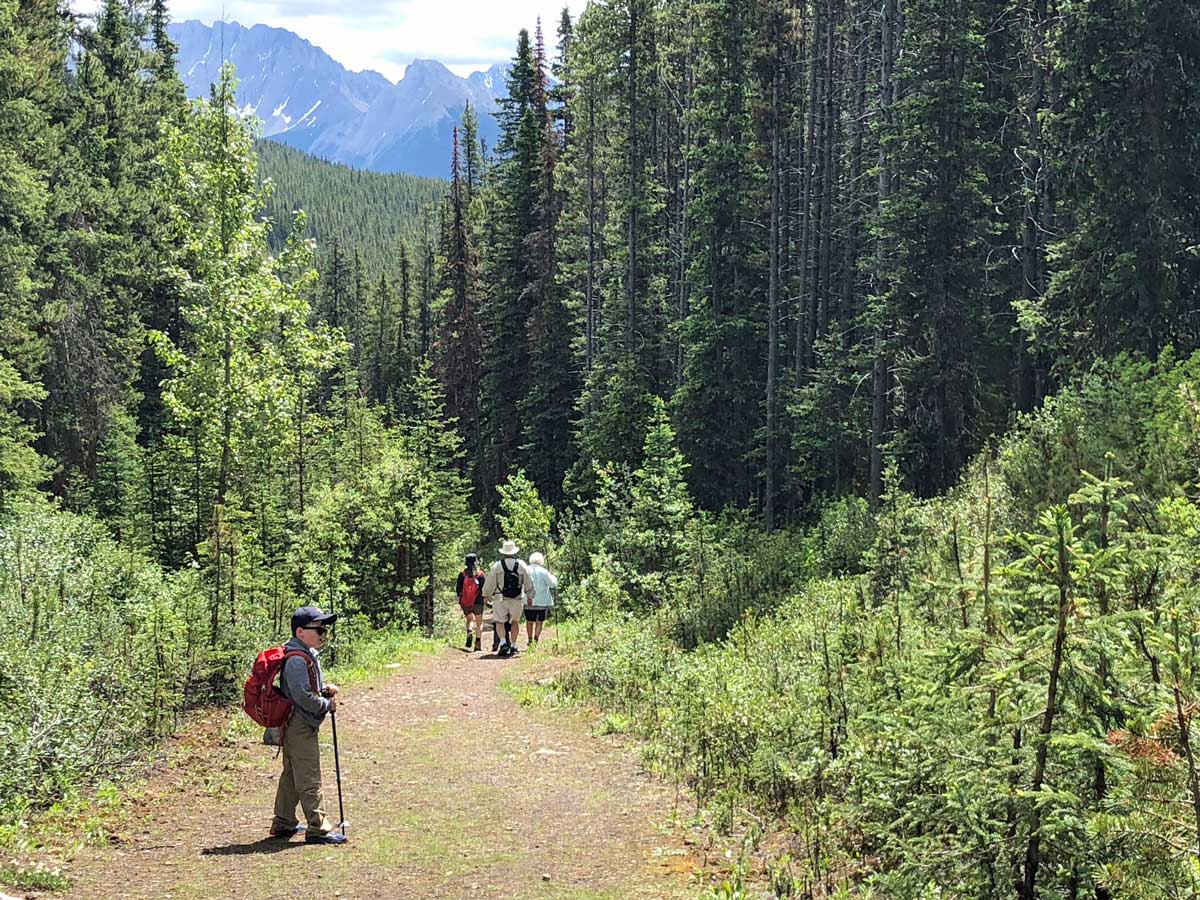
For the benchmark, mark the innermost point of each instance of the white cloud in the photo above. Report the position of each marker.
(385, 35)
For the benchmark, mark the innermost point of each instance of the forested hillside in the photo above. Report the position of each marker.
(367, 212)
(842, 357)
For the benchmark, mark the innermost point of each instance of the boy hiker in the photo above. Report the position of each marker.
(302, 682)
(507, 583)
(469, 590)
(545, 590)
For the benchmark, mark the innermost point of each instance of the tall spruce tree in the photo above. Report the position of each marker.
(546, 451)
(514, 275)
(1126, 143)
(458, 349)
(107, 257)
(717, 405)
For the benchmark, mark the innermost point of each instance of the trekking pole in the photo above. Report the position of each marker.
(337, 767)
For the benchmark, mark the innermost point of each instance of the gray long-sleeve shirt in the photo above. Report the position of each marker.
(295, 685)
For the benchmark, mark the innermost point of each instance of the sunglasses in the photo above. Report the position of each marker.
(322, 630)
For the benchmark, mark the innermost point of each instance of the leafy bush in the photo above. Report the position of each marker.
(523, 517)
(988, 688)
(100, 651)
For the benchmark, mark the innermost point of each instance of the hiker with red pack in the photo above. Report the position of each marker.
(469, 590)
(296, 709)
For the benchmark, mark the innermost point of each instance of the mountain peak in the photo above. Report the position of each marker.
(428, 74)
(425, 65)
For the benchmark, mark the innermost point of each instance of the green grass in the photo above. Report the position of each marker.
(33, 878)
(370, 657)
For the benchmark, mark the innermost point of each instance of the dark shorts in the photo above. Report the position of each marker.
(536, 613)
(477, 609)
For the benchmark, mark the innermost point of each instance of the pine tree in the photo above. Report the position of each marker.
(31, 50)
(381, 339)
(337, 291)
(404, 355)
(724, 335)
(514, 275)
(546, 451)
(472, 155)
(626, 246)
(941, 217)
(438, 448)
(1125, 140)
(562, 94)
(458, 348)
(108, 249)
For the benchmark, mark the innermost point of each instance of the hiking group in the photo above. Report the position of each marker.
(288, 695)
(513, 588)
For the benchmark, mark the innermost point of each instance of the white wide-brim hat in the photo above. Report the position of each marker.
(509, 549)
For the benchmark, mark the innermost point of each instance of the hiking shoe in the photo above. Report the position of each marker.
(331, 838)
(468, 645)
(286, 833)
(478, 646)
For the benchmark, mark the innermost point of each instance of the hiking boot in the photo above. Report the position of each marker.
(331, 838)
(286, 833)
(468, 640)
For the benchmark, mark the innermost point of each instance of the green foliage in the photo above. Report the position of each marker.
(36, 877)
(523, 516)
(26, 141)
(997, 688)
(729, 238)
(98, 660)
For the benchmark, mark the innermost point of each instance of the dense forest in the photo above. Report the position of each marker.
(368, 213)
(839, 354)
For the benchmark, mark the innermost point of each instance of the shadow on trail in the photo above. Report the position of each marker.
(488, 655)
(266, 845)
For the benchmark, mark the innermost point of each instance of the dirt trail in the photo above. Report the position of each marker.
(452, 790)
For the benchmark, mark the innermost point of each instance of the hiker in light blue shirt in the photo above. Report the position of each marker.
(545, 592)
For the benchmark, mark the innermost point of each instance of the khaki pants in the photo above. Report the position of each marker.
(507, 609)
(300, 781)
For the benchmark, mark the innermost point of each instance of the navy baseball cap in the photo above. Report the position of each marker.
(311, 615)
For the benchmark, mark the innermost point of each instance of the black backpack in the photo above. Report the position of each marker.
(512, 580)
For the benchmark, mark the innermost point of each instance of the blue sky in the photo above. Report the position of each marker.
(385, 35)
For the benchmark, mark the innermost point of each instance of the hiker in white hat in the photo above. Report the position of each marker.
(509, 587)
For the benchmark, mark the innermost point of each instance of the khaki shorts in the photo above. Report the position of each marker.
(507, 609)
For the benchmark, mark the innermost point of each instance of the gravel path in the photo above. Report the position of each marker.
(452, 790)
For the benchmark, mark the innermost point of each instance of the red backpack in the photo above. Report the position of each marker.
(471, 589)
(263, 701)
